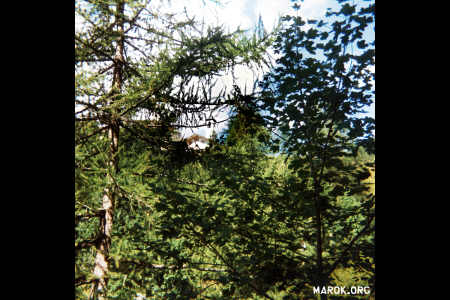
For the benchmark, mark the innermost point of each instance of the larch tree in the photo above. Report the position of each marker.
(140, 75)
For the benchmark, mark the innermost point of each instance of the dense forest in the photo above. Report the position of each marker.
(280, 203)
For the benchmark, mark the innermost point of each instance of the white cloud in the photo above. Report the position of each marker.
(243, 13)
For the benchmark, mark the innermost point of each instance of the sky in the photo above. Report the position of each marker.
(245, 14)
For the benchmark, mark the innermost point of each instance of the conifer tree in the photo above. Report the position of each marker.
(218, 207)
(140, 75)
(237, 220)
(241, 226)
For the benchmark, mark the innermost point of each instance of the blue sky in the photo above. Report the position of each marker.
(245, 13)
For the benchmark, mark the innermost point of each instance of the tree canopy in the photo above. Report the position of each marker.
(280, 202)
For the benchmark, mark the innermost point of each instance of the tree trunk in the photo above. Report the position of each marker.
(101, 265)
(319, 249)
(101, 260)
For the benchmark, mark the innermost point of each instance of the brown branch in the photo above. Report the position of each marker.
(81, 111)
(91, 60)
(85, 158)
(85, 244)
(200, 125)
(100, 213)
(154, 31)
(87, 105)
(92, 134)
(86, 119)
(132, 21)
(137, 49)
(142, 39)
(99, 52)
(81, 281)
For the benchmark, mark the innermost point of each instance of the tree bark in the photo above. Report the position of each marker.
(101, 265)
(319, 249)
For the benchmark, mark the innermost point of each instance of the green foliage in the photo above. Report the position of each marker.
(282, 200)
(313, 97)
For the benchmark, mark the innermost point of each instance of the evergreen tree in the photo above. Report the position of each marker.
(140, 75)
(207, 206)
(249, 221)
(239, 219)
